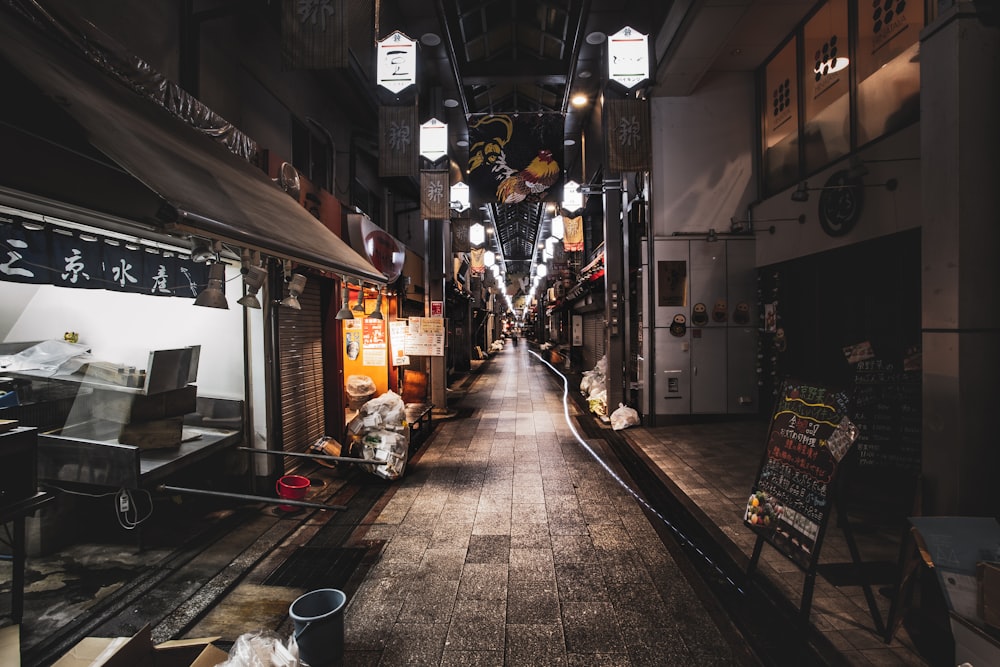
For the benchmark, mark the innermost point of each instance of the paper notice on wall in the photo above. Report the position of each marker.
(426, 337)
(398, 334)
(374, 349)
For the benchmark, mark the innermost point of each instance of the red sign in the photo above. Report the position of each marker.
(437, 308)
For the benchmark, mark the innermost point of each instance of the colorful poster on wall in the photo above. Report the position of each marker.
(374, 343)
(398, 333)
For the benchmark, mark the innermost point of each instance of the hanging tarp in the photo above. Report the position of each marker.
(515, 158)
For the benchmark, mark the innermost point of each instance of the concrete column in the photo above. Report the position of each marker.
(960, 140)
(615, 292)
(438, 235)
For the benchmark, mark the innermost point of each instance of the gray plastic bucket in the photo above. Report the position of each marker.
(318, 617)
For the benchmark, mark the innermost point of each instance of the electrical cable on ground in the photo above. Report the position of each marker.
(632, 492)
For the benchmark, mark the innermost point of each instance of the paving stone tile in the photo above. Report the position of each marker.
(535, 644)
(590, 627)
(531, 603)
(483, 581)
(478, 625)
(490, 548)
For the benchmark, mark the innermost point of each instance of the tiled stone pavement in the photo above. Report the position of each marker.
(713, 467)
(508, 544)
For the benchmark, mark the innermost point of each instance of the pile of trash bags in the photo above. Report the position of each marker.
(592, 386)
(379, 433)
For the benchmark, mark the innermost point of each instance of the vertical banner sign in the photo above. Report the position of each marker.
(628, 135)
(396, 67)
(792, 497)
(460, 235)
(477, 266)
(434, 204)
(397, 143)
(573, 233)
(516, 159)
(313, 34)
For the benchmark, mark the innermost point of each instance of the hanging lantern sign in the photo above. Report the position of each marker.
(459, 196)
(397, 62)
(434, 139)
(628, 57)
(572, 197)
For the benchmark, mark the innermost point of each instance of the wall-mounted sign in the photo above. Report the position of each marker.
(434, 139)
(437, 308)
(396, 69)
(426, 337)
(381, 248)
(628, 57)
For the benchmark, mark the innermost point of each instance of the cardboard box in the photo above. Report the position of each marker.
(988, 588)
(139, 651)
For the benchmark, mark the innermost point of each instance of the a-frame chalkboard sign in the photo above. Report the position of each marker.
(795, 490)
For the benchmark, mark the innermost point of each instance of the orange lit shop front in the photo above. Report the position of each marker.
(370, 363)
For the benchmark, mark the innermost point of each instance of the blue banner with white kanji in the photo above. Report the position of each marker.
(45, 254)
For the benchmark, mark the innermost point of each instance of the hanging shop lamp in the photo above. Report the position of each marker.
(214, 294)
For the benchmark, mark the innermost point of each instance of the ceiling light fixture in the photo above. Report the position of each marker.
(295, 289)
(345, 312)
(580, 100)
(252, 279)
(214, 294)
(376, 313)
(359, 305)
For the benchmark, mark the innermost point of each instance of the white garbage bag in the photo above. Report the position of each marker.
(623, 417)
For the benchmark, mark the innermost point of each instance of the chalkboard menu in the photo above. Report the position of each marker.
(887, 411)
(791, 500)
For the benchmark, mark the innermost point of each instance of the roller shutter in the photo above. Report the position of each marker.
(593, 339)
(300, 344)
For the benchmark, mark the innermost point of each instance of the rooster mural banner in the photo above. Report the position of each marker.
(515, 158)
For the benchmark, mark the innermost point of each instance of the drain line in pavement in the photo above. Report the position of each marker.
(632, 492)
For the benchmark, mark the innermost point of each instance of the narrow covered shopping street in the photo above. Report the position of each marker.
(515, 538)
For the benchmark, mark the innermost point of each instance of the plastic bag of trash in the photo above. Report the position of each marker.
(623, 417)
(598, 402)
(360, 389)
(586, 382)
(262, 649)
(385, 411)
(388, 446)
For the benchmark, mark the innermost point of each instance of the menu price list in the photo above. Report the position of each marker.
(887, 412)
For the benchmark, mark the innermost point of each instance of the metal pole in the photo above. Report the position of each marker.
(325, 457)
(243, 496)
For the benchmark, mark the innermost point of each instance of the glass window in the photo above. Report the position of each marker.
(888, 66)
(781, 120)
(826, 86)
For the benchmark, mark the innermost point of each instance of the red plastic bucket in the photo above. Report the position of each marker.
(292, 487)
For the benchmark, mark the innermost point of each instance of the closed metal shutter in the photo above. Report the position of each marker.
(593, 339)
(300, 344)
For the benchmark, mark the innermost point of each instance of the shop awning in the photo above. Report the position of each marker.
(205, 190)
